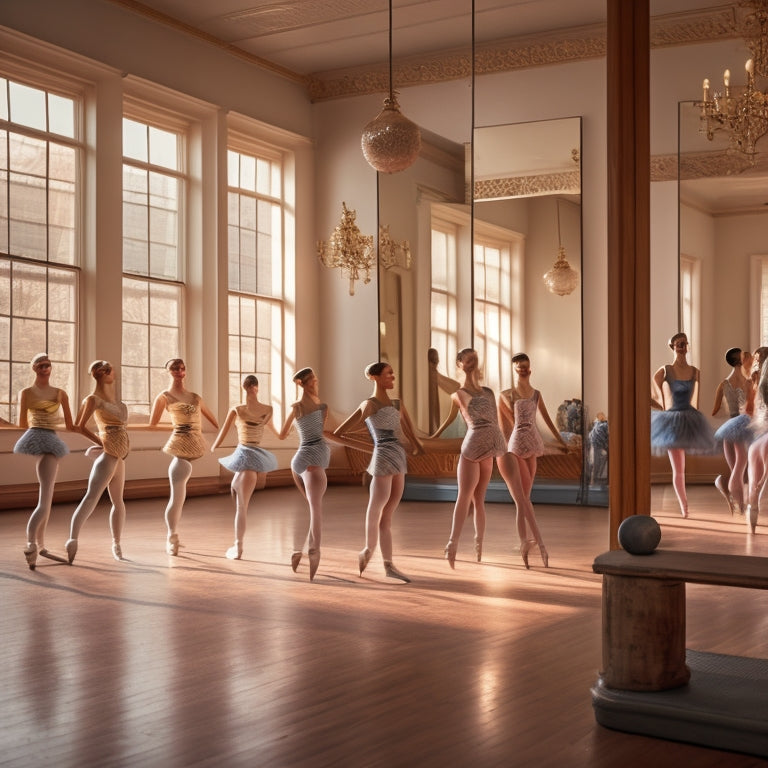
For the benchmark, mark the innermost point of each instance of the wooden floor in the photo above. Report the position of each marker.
(202, 661)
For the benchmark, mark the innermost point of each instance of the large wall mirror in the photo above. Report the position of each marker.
(723, 221)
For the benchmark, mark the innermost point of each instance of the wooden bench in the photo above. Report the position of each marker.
(649, 683)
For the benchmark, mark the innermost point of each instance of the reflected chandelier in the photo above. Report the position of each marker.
(742, 111)
(391, 252)
(391, 142)
(562, 279)
(353, 253)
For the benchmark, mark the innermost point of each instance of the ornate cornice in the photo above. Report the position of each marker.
(527, 186)
(576, 44)
(702, 165)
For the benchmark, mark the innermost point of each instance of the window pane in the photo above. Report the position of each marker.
(27, 106)
(135, 140)
(163, 148)
(61, 115)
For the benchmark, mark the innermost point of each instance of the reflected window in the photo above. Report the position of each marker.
(493, 318)
(153, 191)
(690, 292)
(444, 300)
(760, 300)
(40, 156)
(256, 300)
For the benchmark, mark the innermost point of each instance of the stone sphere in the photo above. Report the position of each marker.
(639, 534)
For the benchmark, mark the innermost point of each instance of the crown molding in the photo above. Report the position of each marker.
(563, 46)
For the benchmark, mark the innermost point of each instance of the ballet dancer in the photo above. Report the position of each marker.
(249, 462)
(185, 444)
(735, 433)
(680, 427)
(309, 463)
(482, 443)
(112, 446)
(388, 422)
(518, 407)
(39, 409)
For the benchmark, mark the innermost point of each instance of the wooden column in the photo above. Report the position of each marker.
(643, 633)
(628, 319)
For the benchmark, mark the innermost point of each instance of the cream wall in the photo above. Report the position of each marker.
(338, 334)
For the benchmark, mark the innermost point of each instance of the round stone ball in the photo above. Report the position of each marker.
(639, 534)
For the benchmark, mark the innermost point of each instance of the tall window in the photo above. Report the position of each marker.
(444, 300)
(759, 301)
(153, 193)
(40, 156)
(255, 289)
(492, 315)
(689, 302)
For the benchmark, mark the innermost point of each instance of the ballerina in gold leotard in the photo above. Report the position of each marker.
(185, 444)
(39, 407)
(112, 446)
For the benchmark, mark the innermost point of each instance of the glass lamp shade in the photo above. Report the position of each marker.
(562, 279)
(391, 142)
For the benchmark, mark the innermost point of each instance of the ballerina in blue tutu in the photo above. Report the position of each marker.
(250, 462)
(735, 433)
(680, 428)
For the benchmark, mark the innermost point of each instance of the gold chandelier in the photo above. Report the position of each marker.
(391, 142)
(391, 252)
(741, 111)
(562, 279)
(349, 250)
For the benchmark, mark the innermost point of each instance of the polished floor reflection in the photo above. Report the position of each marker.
(203, 661)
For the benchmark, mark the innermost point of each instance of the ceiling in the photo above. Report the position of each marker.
(311, 36)
(303, 38)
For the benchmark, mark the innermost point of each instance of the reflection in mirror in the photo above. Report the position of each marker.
(723, 220)
(527, 203)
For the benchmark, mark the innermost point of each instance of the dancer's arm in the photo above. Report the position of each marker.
(283, 433)
(354, 423)
(208, 414)
(408, 430)
(552, 428)
(718, 399)
(506, 415)
(64, 402)
(224, 429)
(449, 419)
(85, 412)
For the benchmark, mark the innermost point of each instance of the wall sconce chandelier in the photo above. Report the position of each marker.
(562, 279)
(392, 253)
(349, 250)
(391, 142)
(742, 111)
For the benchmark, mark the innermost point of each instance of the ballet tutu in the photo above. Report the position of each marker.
(736, 430)
(316, 454)
(686, 429)
(247, 457)
(185, 445)
(37, 441)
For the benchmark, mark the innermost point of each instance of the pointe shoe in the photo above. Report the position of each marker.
(30, 553)
(43, 552)
(720, 485)
(295, 560)
(525, 548)
(450, 553)
(363, 559)
(478, 548)
(393, 573)
(544, 555)
(172, 545)
(314, 562)
(752, 513)
(117, 550)
(71, 547)
(235, 552)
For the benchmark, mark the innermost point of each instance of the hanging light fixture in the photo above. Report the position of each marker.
(353, 253)
(562, 279)
(391, 252)
(391, 142)
(742, 111)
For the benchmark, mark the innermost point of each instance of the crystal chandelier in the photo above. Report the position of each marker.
(391, 142)
(742, 111)
(350, 251)
(562, 279)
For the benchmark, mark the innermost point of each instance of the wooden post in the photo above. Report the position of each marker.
(643, 633)
(628, 57)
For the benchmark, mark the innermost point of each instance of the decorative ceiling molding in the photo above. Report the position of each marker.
(568, 182)
(576, 44)
(703, 165)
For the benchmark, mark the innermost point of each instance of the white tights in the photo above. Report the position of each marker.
(244, 483)
(107, 472)
(47, 468)
(179, 472)
(527, 527)
(473, 478)
(314, 482)
(384, 496)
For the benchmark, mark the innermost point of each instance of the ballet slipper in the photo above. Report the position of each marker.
(393, 573)
(71, 547)
(450, 553)
(363, 559)
(295, 560)
(314, 562)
